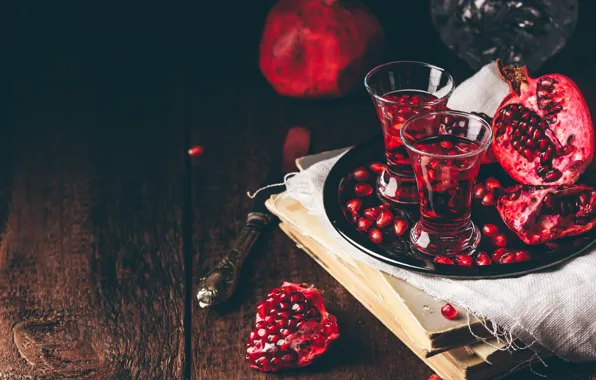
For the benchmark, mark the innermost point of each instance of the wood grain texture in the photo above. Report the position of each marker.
(91, 273)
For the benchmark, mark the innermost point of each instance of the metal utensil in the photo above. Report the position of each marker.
(220, 282)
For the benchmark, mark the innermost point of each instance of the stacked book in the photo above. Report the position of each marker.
(454, 349)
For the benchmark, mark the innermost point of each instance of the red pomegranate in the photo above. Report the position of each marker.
(543, 132)
(319, 48)
(292, 329)
(538, 214)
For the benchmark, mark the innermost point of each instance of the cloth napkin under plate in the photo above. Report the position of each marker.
(554, 309)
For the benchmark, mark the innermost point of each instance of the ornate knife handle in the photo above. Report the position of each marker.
(219, 283)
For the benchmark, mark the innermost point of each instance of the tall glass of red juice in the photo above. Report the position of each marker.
(446, 149)
(400, 90)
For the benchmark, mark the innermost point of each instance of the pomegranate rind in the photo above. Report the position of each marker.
(309, 342)
(573, 121)
(521, 206)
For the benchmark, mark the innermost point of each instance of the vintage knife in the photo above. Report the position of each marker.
(219, 283)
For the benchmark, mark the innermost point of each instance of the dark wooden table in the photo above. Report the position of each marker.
(106, 224)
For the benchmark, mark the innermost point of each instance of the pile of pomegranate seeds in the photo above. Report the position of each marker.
(377, 220)
(448, 311)
(292, 329)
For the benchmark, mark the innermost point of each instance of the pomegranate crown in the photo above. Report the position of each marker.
(514, 75)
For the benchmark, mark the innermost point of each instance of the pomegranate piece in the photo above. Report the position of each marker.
(492, 184)
(377, 167)
(360, 174)
(463, 260)
(354, 205)
(500, 240)
(498, 253)
(375, 235)
(507, 258)
(400, 226)
(490, 230)
(541, 214)
(363, 190)
(522, 256)
(483, 259)
(479, 191)
(292, 329)
(488, 199)
(196, 151)
(364, 224)
(384, 219)
(372, 213)
(543, 131)
(443, 260)
(448, 311)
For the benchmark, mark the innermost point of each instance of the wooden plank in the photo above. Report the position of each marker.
(91, 274)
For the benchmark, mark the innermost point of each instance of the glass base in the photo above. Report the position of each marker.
(445, 243)
(393, 188)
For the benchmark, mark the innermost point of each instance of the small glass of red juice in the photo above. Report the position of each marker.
(446, 149)
(400, 90)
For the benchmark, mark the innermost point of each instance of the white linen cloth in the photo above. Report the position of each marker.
(554, 309)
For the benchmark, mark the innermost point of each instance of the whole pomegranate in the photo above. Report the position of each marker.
(292, 329)
(538, 214)
(543, 132)
(319, 48)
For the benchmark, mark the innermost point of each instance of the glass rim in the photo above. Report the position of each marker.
(379, 67)
(468, 115)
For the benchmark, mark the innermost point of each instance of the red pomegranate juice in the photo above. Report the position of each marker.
(404, 104)
(446, 186)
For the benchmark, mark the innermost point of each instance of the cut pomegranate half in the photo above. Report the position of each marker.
(538, 214)
(543, 131)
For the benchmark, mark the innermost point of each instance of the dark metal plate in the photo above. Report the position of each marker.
(398, 250)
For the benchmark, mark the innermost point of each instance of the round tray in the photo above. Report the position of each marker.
(398, 250)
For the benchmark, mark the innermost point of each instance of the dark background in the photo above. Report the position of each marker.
(122, 89)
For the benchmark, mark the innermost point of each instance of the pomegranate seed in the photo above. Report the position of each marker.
(443, 260)
(479, 191)
(498, 253)
(377, 167)
(400, 226)
(490, 230)
(492, 183)
(384, 218)
(448, 311)
(354, 205)
(434, 377)
(363, 190)
(522, 256)
(196, 151)
(360, 174)
(372, 213)
(488, 199)
(463, 260)
(263, 308)
(483, 259)
(500, 240)
(364, 224)
(507, 258)
(375, 235)
(446, 144)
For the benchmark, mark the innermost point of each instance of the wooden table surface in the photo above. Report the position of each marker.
(106, 224)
